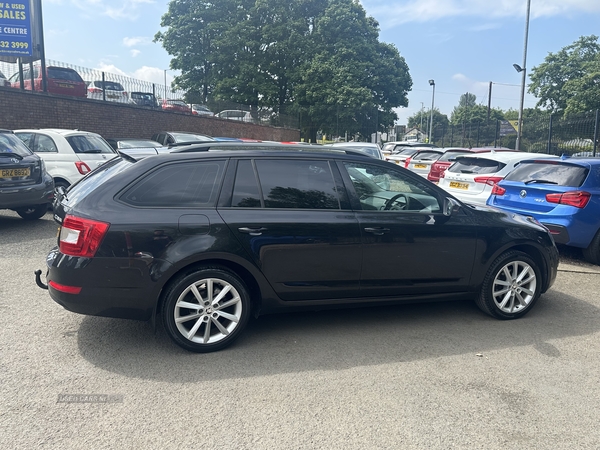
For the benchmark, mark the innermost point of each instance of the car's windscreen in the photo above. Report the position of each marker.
(476, 165)
(188, 137)
(9, 143)
(138, 143)
(451, 155)
(89, 144)
(549, 173)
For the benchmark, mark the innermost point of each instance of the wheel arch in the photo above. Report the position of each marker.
(534, 253)
(237, 269)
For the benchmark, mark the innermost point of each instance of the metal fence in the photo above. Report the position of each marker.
(160, 91)
(577, 135)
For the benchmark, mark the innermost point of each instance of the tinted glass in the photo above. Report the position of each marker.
(548, 173)
(81, 188)
(9, 143)
(189, 184)
(297, 184)
(384, 189)
(245, 191)
(475, 165)
(89, 144)
(427, 156)
(60, 73)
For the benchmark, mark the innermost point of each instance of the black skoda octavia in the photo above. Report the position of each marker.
(208, 235)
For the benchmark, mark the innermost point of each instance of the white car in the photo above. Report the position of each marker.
(401, 154)
(370, 148)
(397, 146)
(472, 177)
(68, 154)
(114, 92)
(420, 163)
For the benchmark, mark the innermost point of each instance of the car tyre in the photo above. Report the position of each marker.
(206, 310)
(32, 212)
(592, 252)
(511, 286)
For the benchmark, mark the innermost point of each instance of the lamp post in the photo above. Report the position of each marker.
(523, 71)
(431, 83)
(166, 83)
(421, 129)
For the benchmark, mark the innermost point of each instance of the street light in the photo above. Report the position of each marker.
(431, 83)
(523, 71)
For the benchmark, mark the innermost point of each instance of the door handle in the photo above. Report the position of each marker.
(377, 231)
(252, 231)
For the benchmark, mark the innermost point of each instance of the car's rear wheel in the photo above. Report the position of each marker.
(511, 286)
(32, 212)
(206, 310)
(592, 253)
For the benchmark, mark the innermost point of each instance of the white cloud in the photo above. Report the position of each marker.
(135, 41)
(394, 12)
(134, 52)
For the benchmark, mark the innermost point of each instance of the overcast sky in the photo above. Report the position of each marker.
(461, 44)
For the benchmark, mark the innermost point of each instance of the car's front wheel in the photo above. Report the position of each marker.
(511, 286)
(32, 212)
(206, 310)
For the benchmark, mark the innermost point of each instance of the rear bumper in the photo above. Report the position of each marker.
(24, 196)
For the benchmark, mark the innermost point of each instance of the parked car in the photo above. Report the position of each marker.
(472, 177)
(370, 148)
(236, 114)
(207, 236)
(396, 146)
(400, 155)
(563, 194)
(144, 99)
(25, 186)
(421, 161)
(137, 148)
(109, 91)
(60, 80)
(176, 106)
(3, 80)
(167, 138)
(449, 156)
(201, 110)
(68, 154)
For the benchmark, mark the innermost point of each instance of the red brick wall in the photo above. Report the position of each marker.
(37, 110)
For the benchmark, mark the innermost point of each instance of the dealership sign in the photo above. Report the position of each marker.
(15, 29)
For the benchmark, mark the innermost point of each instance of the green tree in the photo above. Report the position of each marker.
(468, 111)
(566, 75)
(440, 121)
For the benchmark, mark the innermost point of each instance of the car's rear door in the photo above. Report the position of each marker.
(296, 226)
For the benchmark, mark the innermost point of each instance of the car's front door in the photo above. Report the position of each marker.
(297, 228)
(409, 246)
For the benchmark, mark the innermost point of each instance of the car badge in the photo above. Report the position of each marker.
(523, 193)
(14, 160)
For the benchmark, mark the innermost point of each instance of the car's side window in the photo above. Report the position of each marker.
(189, 184)
(27, 139)
(45, 144)
(387, 189)
(297, 184)
(245, 189)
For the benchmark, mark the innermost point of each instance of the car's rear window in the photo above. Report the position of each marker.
(475, 165)
(559, 174)
(9, 143)
(60, 73)
(89, 144)
(81, 188)
(427, 156)
(110, 85)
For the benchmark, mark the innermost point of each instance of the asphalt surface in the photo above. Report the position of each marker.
(435, 376)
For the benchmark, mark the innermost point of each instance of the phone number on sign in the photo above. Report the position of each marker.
(6, 44)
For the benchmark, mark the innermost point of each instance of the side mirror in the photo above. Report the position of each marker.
(450, 205)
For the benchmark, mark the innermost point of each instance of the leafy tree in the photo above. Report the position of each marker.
(583, 94)
(468, 111)
(566, 75)
(318, 59)
(440, 121)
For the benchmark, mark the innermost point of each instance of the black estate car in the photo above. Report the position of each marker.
(25, 186)
(212, 233)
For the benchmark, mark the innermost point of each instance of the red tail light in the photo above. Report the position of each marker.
(63, 288)
(497, 190)
(95, 90)
(82, 167)
(490, 181)
(578, 199)
(406, 162)
(81, 237)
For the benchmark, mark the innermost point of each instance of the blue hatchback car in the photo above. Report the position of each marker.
(563, 194)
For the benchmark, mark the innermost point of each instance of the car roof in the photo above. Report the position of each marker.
(507, 156)
(60, 131)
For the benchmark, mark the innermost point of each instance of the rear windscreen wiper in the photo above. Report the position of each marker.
(540, 181)
(11, 155)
